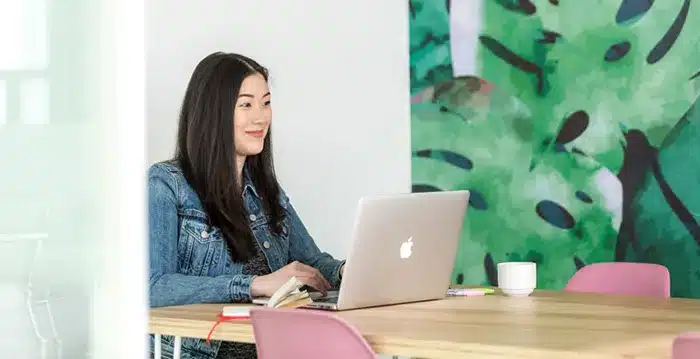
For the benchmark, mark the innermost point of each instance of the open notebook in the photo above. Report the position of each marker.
(289, 295)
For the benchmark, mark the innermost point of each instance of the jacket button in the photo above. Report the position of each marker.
(252, 217)
(266, 244)
(204, 234)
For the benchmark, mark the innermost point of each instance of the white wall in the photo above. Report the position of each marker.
(340, 84)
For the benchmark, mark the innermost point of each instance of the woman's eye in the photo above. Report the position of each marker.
(245, 104)
(267, 103)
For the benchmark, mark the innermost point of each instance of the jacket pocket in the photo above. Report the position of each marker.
(202, 245)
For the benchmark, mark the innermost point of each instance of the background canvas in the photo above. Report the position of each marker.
(575, 125)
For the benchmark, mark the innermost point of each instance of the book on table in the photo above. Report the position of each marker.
(289, 295)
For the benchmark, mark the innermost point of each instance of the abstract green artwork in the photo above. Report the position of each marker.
(574, 124)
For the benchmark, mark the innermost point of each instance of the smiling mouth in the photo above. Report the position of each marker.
(255, 133)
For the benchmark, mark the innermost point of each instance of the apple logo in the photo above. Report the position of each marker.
(405, 250)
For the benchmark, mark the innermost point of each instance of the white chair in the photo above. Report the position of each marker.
(18, 261)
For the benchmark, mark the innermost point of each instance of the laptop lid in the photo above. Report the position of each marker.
(403, 249)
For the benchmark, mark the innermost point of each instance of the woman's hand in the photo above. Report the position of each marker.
(267, 285)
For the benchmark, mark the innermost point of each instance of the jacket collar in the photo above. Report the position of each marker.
(248, 185)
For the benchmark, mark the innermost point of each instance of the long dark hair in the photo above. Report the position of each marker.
(206, 151)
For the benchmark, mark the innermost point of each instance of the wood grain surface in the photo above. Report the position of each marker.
(548, 324)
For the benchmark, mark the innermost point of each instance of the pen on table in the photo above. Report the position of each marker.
(469, 292)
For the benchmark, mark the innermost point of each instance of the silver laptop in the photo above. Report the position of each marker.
(403, 250)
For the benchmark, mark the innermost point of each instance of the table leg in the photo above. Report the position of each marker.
(177, 347)
(157, 347)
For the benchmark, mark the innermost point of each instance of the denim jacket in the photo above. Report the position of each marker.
(189, 262)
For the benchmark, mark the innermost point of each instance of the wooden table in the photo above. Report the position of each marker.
(546, 325)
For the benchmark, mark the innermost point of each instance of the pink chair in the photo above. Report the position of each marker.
(643, 279)
(303, 333)
(686, 346)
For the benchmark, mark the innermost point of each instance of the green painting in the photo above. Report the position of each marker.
(574, 124)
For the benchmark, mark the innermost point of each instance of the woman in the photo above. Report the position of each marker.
(221, 228)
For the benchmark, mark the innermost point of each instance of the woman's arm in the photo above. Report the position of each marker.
(166, 286)
(302, 248)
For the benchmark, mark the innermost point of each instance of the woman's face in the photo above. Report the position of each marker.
(252, 116)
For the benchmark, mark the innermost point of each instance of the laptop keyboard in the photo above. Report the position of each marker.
(331, 297)
(326, 300)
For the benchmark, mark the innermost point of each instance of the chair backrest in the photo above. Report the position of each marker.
(309, 334)
(686, 346)
(18, 256)
(643, 279)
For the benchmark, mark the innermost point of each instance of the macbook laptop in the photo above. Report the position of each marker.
(403, 250)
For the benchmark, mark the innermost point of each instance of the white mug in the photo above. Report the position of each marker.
(517, 279)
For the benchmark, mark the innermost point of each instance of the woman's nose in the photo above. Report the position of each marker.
(256, 117)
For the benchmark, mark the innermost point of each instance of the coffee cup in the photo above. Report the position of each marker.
(517, 279)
